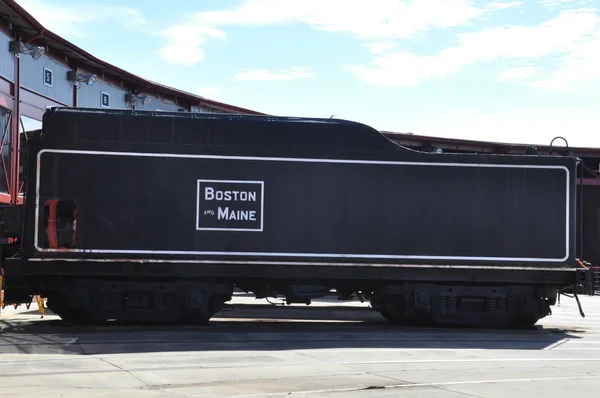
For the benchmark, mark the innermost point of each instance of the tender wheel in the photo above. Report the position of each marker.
(393, 309)
(198, 309)
(70, 308)
(524, 322)
(530, 311)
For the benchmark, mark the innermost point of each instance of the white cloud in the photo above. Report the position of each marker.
(401, 69)
(521, 73)
(185, 43)
(580, 64)
(374, 20)
(555, 4)
(573, 35)
(293, 73)
(381, 47)
(568, 38)
(73, 20)
(210, 91)
(496, 5)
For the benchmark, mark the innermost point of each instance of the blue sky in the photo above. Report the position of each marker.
(509, 71)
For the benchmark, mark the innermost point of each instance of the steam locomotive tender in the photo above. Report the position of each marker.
(138, 215)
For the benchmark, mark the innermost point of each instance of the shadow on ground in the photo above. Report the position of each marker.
(261, 328)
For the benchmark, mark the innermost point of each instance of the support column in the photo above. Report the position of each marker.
(15, 146)
(74, 88)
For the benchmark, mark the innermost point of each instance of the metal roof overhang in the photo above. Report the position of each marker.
(487, 146)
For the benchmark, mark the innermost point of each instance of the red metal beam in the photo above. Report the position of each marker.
(589, 181)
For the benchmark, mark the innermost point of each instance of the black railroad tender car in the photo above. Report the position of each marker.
(139, 215)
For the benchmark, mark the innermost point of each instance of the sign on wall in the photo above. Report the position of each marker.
(105, 99)
(48, 77)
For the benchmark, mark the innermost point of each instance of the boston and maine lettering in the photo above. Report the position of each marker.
(230, 205)
(211, 194)
(226, 214)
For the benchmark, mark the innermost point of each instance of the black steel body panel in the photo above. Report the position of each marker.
(324, 190)
(366, 273)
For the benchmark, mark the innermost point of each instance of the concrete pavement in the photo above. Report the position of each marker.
(326, 350)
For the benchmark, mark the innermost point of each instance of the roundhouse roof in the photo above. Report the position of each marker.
(463, 145)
